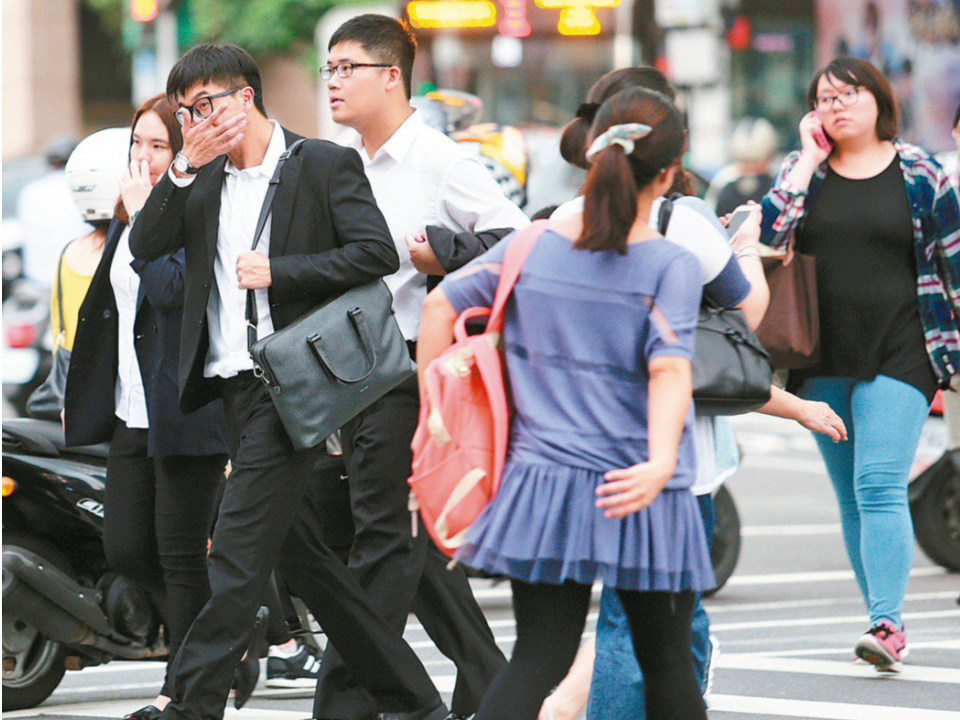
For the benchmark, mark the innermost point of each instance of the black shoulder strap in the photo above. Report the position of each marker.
(63, 327)
(666, 210)
(252, 315)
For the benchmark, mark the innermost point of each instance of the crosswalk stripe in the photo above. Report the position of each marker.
(503, 592)
(833, 668)
(749, 705)
(832, 620)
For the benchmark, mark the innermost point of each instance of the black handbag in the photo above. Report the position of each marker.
(332, 362)
(732, 373)
(46, 402)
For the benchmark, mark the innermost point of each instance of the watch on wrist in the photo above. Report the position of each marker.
(182, 165)
(133, 217)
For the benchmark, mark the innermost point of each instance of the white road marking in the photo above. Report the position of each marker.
(835, 620)
(774, 462)
(503, 592)
(713, 609)
(749, 705)
(790, 530)
(927, 645)
(820, 576)
(833, 668)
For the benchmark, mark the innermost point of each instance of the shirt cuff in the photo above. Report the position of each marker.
(179, 181)
(790, 189)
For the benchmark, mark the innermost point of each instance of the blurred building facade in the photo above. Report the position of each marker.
(531, 61)
(41, 72)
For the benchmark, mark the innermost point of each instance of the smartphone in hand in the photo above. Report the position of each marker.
(737, 219)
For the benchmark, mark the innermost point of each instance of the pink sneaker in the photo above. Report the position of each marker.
(883, 646)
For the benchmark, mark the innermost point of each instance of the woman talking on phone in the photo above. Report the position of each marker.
(882, 221)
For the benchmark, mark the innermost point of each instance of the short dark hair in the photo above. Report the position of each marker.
(615, 176)
(387, 39)
(859, 72)
(223, 64)
(575, 138)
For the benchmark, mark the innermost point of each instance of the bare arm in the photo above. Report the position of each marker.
(815, 416)
(436, 330)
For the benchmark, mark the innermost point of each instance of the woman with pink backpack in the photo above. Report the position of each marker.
(597, 339)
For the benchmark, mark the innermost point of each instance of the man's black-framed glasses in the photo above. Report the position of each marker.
(345, 69)
(202, 108)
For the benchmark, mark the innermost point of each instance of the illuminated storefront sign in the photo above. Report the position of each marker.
(514, 22)
(440, 14)
(578, 17)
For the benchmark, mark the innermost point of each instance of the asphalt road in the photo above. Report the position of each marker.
(786, 621)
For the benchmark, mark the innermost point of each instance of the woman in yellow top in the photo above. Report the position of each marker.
(74, 272)
(93, 174)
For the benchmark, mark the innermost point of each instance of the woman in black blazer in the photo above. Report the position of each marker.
(164, 467)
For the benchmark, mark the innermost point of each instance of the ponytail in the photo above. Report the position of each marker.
(610, 202)
(637, 134)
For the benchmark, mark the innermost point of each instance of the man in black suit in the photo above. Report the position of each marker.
(326, 236)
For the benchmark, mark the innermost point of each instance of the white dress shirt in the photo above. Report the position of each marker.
(240, 202)
(131, 402)
(421, 177)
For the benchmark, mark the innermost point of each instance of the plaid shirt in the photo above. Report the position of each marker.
(936, 234)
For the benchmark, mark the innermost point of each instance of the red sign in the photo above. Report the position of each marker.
(514, 22)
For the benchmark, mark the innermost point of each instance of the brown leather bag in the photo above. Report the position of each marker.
(790, 330)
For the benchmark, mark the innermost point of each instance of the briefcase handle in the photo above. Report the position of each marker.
(359, 323)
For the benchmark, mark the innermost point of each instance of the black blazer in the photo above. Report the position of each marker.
(327, 236)
(90, 401)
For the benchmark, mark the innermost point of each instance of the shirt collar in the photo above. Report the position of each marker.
(276, 148)
(400, 142)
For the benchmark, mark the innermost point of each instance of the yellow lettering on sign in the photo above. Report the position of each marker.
(578, 17)
(439, 14)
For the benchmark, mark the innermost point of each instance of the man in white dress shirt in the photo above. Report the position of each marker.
(443, 208)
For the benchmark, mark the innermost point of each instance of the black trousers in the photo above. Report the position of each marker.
(157, 522)
(550, 622)
(259, 528)
(401, 573)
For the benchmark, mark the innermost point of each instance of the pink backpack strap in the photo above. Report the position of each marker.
(513, 259)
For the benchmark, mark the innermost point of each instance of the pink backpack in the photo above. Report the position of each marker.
(460, 445)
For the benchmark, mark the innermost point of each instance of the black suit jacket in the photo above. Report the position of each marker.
(327, 236)
(90, 401)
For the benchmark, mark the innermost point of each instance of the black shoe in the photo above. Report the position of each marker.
(300, 670)
(438, 713)
(150, 712)
(247, 674)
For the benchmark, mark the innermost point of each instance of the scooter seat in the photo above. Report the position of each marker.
(45, 438)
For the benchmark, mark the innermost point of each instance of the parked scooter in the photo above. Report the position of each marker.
(62, 606)
(935, 492)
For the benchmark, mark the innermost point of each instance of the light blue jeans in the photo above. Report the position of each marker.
(884, 418)
(616, 691)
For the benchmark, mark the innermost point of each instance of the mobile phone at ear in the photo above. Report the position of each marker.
(739, 216)
(820, 136)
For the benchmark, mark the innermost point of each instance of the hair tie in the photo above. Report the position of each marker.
(588, 111)
(623, 135)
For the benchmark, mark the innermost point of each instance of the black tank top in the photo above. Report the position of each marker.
(861, 233)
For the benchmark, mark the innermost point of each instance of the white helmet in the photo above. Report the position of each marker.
(94, 170)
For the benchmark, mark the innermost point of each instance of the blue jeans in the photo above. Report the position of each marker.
(884, 418)
(616, 691)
